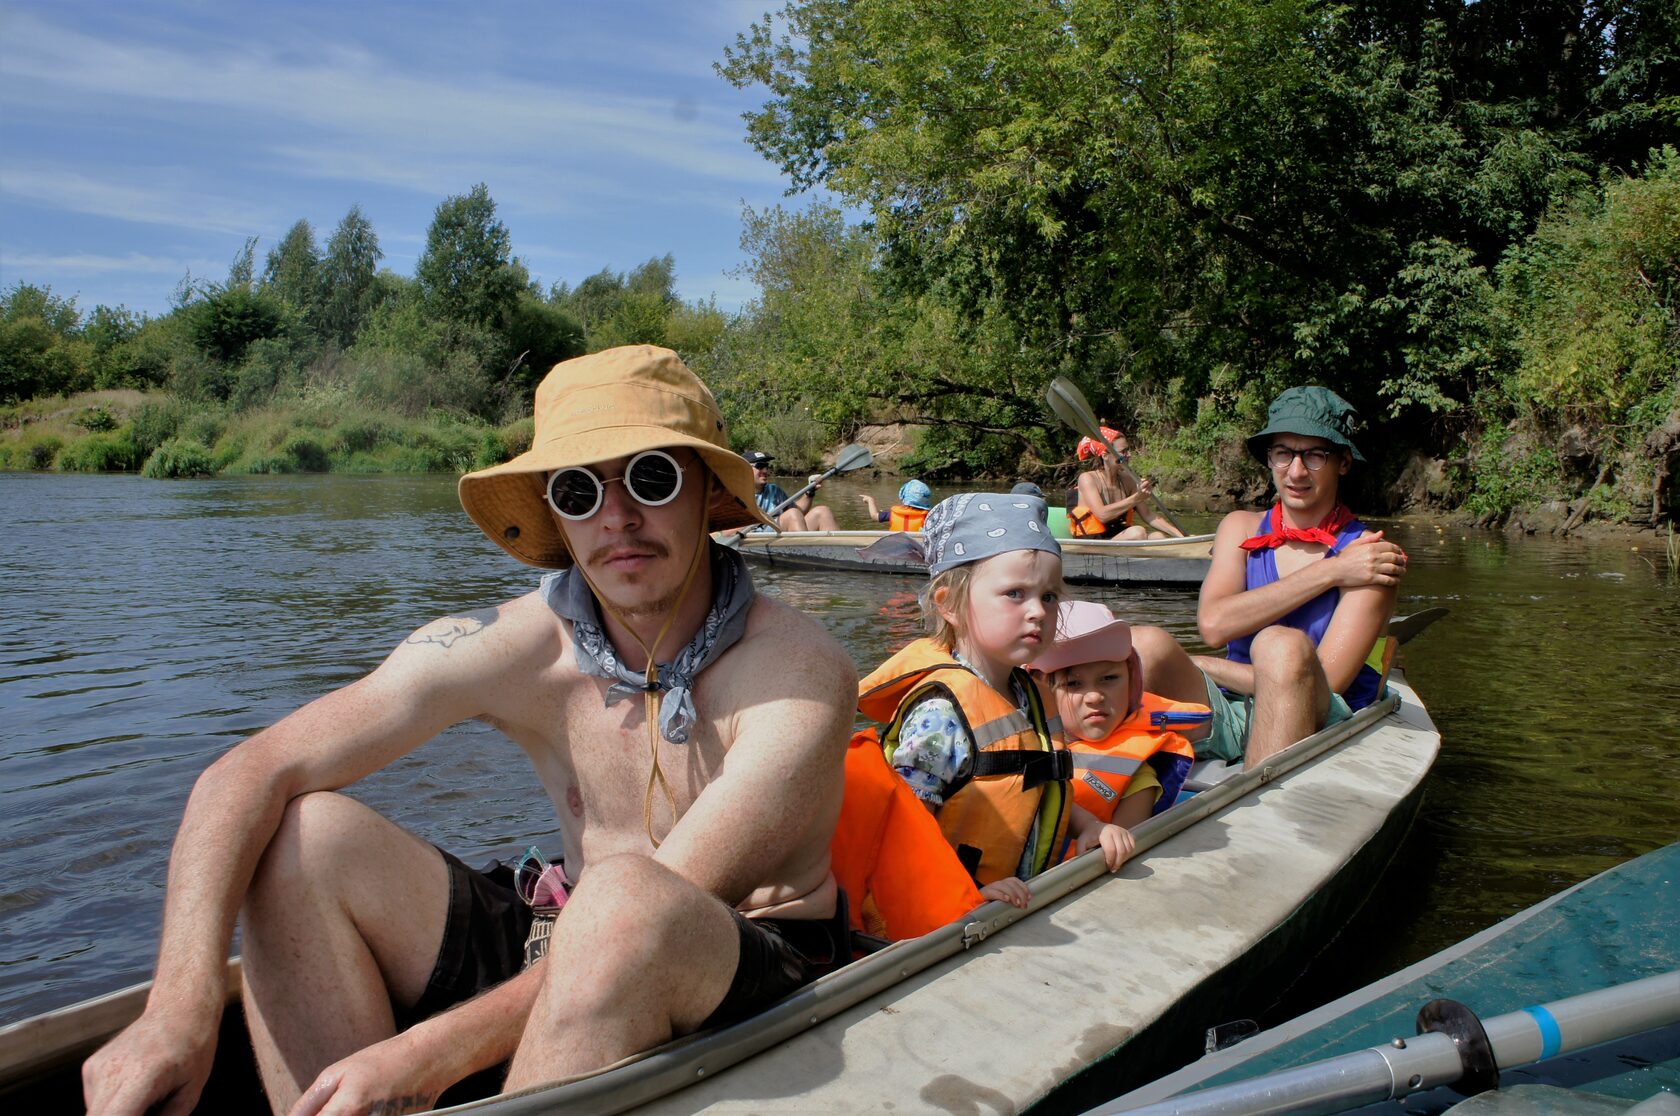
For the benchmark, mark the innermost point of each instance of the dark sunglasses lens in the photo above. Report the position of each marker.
(575, 493)
(654, 478)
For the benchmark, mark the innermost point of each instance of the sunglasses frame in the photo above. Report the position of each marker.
(601, 485)
(1328, 456)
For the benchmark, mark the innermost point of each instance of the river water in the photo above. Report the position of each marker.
(157, 623)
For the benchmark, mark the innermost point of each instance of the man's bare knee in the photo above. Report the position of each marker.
(1284, 656)
(627, 917)
(307, 844)
(1167, 667)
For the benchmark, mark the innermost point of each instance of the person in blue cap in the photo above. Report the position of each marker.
(802, 514)
(914, 500)
(1298, 595)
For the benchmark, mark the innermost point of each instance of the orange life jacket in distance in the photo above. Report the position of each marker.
(900, 876)
(903, 517)
(1103, 769)
(1084, 524)
(1010, 814)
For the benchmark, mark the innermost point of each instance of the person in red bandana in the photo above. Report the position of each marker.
(1298, 595)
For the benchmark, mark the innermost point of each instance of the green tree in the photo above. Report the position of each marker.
(347, 278)
(292, 272)
(466, 273)
(40, 348)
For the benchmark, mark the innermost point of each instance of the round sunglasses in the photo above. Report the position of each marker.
(652, 478)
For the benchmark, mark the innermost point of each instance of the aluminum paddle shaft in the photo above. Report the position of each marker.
(1426, 1061)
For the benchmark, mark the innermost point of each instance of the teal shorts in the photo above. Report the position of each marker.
(1231, 713)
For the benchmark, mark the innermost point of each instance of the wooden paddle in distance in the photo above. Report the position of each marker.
(1070, 406)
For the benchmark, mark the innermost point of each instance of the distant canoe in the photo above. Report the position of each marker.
(1087, 562)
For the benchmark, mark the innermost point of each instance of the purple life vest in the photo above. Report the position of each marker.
(1311, 617)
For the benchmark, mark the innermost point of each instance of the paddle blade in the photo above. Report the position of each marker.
(1070, 406)
(853, 457)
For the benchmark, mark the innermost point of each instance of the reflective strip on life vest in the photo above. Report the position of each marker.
(1114, 765)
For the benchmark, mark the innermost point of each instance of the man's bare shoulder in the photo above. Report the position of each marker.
(522, 624)
(781, 636)
(1242, 520)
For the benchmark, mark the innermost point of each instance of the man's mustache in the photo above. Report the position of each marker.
(647, 546)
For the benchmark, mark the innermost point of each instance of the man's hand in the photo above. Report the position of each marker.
(1369, 560)
(151, 1065)
(385, 1078)
(1011, 891)
(1117, 844)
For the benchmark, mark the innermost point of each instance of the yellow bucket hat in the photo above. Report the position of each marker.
(596, 408)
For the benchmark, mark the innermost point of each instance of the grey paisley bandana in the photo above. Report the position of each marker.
(567, 593)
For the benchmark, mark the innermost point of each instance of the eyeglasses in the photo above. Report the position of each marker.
(538, 882)
(652, 478)
(761, 468)
(1281, 457)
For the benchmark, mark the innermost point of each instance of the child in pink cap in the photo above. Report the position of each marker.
(1129, 756)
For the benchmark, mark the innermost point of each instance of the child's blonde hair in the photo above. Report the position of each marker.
(955, 583)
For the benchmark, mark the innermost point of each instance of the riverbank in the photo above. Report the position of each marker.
(327, 431)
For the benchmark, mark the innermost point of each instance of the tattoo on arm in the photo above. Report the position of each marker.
(451, 628)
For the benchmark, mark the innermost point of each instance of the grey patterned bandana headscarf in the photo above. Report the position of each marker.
(568, 594)
(976, 525)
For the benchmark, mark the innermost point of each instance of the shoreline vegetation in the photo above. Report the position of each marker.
(1464, 218)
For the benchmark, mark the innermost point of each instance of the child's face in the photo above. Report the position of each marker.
(1092, 697)
(1010, 615)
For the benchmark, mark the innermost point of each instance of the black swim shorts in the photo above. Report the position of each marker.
(777, 956)
(484, 945)
(483, 938)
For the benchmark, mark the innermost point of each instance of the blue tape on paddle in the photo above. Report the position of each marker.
(1551, 1036)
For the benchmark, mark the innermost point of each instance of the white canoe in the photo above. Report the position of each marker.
(1084, 562)
(1106, 981)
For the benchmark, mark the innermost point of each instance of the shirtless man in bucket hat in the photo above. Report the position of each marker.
(1297, 595)
(695, 799)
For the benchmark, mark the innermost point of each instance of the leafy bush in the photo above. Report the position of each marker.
(179, 457)
(100, 453)
(95, 419)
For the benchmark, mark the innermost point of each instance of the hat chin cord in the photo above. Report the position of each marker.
(650, 675)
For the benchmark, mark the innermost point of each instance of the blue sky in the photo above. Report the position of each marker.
(143, 140)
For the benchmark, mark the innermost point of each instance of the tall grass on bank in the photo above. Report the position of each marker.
(325, 431)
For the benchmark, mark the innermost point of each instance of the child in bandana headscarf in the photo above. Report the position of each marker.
(965, 724)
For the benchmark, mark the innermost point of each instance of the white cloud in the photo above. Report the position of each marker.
(160, 204)
(376, 113)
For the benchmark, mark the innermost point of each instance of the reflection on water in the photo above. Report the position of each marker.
(156, 623)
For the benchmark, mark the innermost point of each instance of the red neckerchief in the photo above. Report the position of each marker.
(1324, 533)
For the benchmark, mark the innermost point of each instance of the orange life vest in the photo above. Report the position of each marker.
(903, 517)
(1104, 768)
(1010, 814)
(900, 877)
(1084, 524)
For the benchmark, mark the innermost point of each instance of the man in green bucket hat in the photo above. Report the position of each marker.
(1298, 595)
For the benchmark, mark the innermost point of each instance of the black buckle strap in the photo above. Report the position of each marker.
(1035, 768)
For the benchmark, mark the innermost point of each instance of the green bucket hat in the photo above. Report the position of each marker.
(1312, 412)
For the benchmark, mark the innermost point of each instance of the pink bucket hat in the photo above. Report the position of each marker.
(1086, 632)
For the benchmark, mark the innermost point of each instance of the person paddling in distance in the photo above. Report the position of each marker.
(965, 725)
(1107, 502)
(1131, 748)
(1298, 595)
(802, 514)
(695, 797)
(914, 500)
